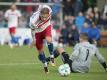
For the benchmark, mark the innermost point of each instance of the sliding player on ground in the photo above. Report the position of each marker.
(81, 57)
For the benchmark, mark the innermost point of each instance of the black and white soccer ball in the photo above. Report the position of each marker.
(64, 70)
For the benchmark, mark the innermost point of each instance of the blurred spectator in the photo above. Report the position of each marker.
(64, 35)
(69, 21)
(56, 9)
(94, 33)
(73, 35)
(45, 1)
(90, 16)
(103, 22)
(85, 28)
(68, 9)
(35, 0)
(77, 7)
(88, 19)
(89, 10)
(104, 18)
(85, 5)
(93, 15)
(105, 10)
(18, 0)
(97, 15)
(79, 21)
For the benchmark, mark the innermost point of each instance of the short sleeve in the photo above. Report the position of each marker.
(19, 13)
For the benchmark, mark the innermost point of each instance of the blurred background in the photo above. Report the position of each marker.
(69, 19)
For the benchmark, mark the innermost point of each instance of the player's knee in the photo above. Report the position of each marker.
(60, 50)
(49, 39)
(40, 51)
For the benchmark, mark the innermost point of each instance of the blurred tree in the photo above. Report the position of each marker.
(92, 3)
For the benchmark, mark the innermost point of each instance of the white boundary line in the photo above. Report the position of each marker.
(15, 64)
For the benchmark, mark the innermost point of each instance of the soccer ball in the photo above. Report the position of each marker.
(64, 70)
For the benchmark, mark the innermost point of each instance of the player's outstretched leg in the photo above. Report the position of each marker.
(42, 58)
(56, 54)
(50, 47)
(65, 56)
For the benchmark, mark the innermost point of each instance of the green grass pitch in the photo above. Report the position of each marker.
(22, 64)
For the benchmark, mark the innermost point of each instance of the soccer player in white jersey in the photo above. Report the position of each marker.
(81, 57)
(12, 15)
(41, 29)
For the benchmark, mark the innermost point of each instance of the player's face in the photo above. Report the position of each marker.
(44, 16)
(13, 7)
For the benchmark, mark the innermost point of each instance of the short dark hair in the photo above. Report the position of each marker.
(84, 36)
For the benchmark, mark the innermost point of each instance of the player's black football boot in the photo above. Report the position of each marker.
(46, 68)
(52, 61)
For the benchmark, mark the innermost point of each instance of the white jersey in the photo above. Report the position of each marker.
(12, 17)
(35, 22)
(82, 56)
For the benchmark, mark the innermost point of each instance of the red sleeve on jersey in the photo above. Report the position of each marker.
(42, 23)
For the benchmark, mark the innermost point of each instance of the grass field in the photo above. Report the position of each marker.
(23, 64)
